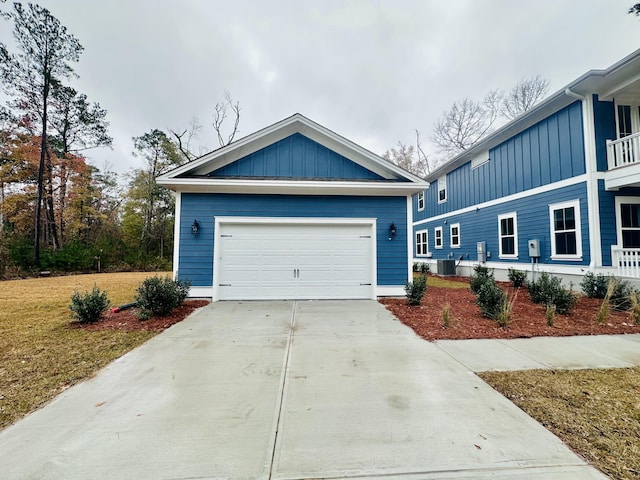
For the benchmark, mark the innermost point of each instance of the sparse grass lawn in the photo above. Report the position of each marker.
(440, 282)
(40, 353)
(595, 412)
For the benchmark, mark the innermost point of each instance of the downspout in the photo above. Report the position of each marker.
(593, 205)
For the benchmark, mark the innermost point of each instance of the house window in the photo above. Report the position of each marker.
(627, 119)
(508, 233)
(421, 201)
(454, 230)
(437, 235)
(422, 243)
(442, 189)
(628, 221)
(566, 240)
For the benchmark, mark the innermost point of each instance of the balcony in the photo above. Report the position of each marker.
(623, 158)
(626, 262)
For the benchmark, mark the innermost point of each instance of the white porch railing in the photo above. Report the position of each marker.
(623, 151)
(626, 261)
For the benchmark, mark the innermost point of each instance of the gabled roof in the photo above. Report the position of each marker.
(194, 176)
(621, 77)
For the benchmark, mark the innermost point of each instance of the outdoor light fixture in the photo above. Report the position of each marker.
(392, 230)
(195, 228)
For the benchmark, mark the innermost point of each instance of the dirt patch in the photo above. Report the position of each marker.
(127, 320)
(528, 318)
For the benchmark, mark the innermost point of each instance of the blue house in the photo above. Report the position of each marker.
(293, 211)
(557, 189)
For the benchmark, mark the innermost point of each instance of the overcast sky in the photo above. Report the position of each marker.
(372, 71)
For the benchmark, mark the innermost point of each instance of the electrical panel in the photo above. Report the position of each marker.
(534, 248)
(481, 249)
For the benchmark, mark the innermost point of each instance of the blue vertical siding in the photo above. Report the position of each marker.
(196, 253)
(549, 151)
(533, 222)
(296, 157)
(605, 129)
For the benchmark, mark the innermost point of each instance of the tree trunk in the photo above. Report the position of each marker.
(52, 227)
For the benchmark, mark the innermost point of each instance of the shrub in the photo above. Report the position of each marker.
(517, 277)
(159, 296)
(548, 290)
(415, 290)
(446, 315)
(620, 299)
(480, 276)
(491, 299)
(634, 306)
(594, 286)
(421, 267)
(88, 307)
(605, 306)
(506, 311)
(550, 315)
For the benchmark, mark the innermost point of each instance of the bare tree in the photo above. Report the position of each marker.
(222, 109)
(523, 96)
(183, 140)
(408, 157)
(465, 123)
(635, 10)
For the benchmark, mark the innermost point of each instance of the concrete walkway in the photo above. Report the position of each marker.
(287, 390)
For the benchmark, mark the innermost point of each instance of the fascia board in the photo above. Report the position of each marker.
(292, 187)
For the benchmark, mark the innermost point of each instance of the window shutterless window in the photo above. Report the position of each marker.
(421, 201)
(454, 230)
(437, 235)
(442, 189)
(508, 235)
(422, 243)
(630, 225)
(566, 239)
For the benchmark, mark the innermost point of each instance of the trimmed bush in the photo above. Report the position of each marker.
(517, 277)
(491, 299)
(479, 277)
(88, 307)
(415, 290)
(548, 290)
(159, 296)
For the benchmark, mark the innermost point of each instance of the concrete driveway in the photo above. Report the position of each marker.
(285, 390)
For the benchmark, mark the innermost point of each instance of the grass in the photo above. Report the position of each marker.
(41, 354)
(595, 412)
(434, 281)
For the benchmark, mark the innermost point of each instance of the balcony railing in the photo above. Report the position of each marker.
(623, 152)
(626, 261)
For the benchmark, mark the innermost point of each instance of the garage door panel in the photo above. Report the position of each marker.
(289, 261)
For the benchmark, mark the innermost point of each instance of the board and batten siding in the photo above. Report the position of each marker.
(196, 252)
(604, 114)
(550, 151)
(532, 222)
(296, 157)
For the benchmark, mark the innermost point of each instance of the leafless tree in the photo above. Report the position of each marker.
(222, 109)
(465, 123)
(635, 9)
(183, 140)
(408, 157)
(523, 96)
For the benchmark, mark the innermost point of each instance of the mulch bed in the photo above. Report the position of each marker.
(127, 320)
(528, 318)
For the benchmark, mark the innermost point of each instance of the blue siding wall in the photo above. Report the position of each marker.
(296, 157)
(550, 151)
(196, 253)
(608, 219)
(533, 222)
(605, 129)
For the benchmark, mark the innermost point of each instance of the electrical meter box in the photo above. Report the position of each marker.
(534, 248)
(481, 249)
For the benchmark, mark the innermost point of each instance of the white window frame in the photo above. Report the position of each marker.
(421, 201)
(422, 243)
(442, 187)
(619, 202)
(436, 237)
(506, 216)
(635, 116)
(458, 236)
(575, 204)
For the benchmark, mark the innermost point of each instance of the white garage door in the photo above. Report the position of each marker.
(294, 261)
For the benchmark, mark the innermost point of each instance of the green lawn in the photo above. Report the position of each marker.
(40, 353)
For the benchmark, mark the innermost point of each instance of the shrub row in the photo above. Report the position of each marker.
(156, 296)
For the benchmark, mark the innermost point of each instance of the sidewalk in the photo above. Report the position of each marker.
(597, 351)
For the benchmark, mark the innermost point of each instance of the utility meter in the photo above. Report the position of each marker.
(534, 248)
(481, 249)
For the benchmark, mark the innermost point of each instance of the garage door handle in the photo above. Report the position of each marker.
(296, 273)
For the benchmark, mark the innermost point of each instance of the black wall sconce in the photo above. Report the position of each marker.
(195, 228)
(392, 230)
